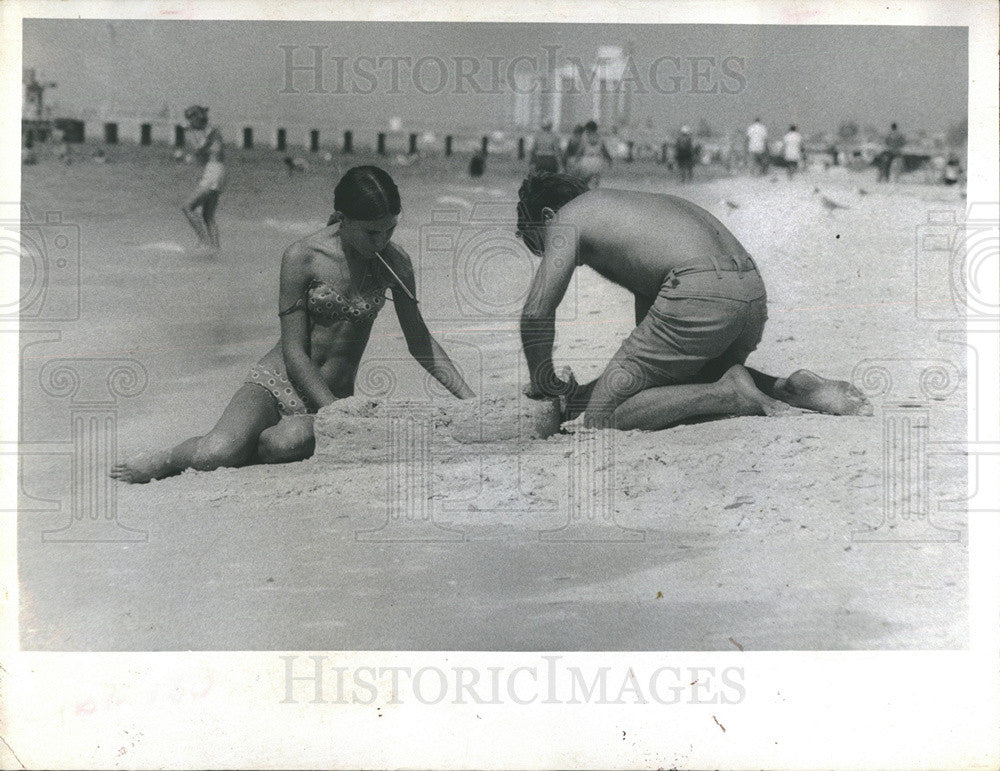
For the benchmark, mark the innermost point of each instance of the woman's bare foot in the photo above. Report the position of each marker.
(747, 398)
(834, 397)
(142, 468)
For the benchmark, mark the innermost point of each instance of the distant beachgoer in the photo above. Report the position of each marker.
(545, 150)
(572, 148)
(792, 150)
(952, 171)
(684, 153)
(296, 164)
(892, 156)
(757, 146)
(61, 146)
(333, 285)
(28, 157)
(209, 151)
(700, 308)
(591, 157)
(477, 165)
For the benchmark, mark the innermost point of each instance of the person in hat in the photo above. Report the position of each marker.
(200, 207)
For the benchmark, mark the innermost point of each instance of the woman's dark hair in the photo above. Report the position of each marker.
(545, 189)
(366, 193)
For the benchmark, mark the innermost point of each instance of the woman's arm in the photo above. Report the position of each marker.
(295, 277)
(421, 344)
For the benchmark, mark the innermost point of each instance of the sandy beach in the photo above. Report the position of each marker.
(732, 534)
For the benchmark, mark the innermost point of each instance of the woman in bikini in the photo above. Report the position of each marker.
(333, 285)
(200, 207)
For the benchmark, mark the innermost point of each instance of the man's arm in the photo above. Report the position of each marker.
(538, 318)
(421, 344)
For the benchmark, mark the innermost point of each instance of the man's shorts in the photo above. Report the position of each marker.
(213, 177)
(702, 320)
(546, 163)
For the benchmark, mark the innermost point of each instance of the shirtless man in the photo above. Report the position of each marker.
(208, 151)
(700, 307)
(545, 150)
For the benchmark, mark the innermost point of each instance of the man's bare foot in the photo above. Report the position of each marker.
(834, 397)
(142, 468)
(747, 399)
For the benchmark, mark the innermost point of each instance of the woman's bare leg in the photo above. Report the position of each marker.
(194, 217)
(208, 208)
(232, 442)
(292, 439)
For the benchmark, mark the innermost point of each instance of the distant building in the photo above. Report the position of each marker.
(612, 100)
(568, 97)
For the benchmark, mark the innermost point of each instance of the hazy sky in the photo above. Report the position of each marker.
(814, 76)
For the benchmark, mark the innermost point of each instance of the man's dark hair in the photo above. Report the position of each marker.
(590, 126)
(545, 189)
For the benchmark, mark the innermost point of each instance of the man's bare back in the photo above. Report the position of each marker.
(635, 239)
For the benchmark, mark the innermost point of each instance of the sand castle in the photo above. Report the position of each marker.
(364, 426)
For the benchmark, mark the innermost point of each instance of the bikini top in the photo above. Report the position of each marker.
(325, 303)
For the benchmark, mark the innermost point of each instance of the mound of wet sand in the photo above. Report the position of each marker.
(372, 428)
